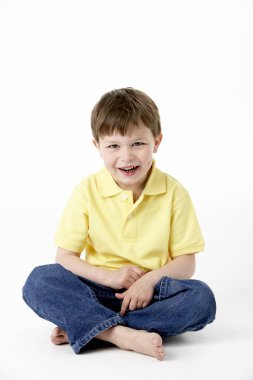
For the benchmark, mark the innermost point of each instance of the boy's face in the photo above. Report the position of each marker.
(129, 158)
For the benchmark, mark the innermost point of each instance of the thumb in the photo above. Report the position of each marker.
(120, 295)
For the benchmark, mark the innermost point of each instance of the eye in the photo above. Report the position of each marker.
(138, 143)
(113, 146)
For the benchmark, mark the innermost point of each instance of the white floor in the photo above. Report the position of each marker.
(223, 350)
(194, 59)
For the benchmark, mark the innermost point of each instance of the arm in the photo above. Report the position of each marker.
(118, 279)
(72, 262)
(141, 292)
(180, 268)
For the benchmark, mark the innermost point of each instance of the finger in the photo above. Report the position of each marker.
(120, 295)
(138, 271)
(129, 282)
(133, 305)
(125, 305)
(139, 304)
(133, 277)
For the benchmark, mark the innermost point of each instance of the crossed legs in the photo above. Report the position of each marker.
(57, 295)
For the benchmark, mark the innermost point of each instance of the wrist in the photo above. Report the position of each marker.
(153, 277)
(106, 277)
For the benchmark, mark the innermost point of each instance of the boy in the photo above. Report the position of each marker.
(140, 234)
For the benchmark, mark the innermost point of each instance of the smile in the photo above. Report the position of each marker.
(129, 170)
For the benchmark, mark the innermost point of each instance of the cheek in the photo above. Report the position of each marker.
(108, 158)
(148, 153)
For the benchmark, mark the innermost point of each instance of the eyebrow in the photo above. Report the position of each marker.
(117, 141)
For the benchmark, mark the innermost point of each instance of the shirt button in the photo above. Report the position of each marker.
(130, 216)
(124, 197)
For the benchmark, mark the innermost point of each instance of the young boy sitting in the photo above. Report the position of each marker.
(140, 234)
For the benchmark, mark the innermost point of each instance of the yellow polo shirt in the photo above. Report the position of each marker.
(102, 220)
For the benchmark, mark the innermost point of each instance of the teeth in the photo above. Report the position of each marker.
(128, 169)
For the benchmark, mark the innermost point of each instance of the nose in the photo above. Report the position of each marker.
(127, 154)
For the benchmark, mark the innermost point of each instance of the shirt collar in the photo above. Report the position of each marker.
(107, 187)
(156, 183)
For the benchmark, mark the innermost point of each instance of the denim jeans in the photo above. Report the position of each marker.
(84, 308)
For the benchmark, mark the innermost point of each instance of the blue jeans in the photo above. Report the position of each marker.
(84, 308)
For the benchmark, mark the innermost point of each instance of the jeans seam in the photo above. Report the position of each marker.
(93, 294)
(162, 289)
(105, 325)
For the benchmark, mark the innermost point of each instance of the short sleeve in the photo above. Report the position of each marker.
(185, 233)
(73, 227)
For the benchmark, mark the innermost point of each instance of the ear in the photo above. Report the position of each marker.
(158, 140)
(95, 143)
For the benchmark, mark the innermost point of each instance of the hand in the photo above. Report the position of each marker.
(137, 296)
(124, 277)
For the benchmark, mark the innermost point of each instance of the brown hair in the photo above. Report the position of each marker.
(118, 109)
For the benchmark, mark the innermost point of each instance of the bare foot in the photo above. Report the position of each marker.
(135, 340)
(125, 338)
(59, 336)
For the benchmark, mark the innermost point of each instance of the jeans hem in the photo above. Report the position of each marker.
(81, 343)
(163, 288)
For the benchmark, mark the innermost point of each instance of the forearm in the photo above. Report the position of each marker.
(72, 262)
(181, 268)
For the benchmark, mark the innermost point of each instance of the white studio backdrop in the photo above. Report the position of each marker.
(194, 58)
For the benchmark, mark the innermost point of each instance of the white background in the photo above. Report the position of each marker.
(194, 58)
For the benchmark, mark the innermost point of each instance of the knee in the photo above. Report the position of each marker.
(39, 281)
(204, 301)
